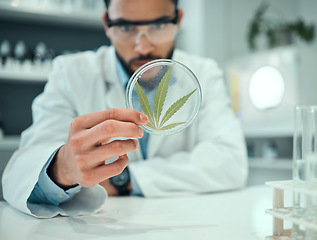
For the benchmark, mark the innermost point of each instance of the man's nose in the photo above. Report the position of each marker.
(143, 44)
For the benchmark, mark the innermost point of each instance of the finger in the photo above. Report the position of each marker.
(107, 151)
(126, 115)
(103, 132)
(113, 169)
(103, 172)
(100, 173)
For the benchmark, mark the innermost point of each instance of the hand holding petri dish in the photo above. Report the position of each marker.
(166, 91)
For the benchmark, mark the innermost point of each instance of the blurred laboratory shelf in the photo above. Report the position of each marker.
(283, 130)
(270, 163)
(9, 143)
(262, 170)
(64, 27)
(36, 76)
(54, 15)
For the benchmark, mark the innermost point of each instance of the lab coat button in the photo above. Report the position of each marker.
(60, 195)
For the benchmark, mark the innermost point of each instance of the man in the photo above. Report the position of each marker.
(80, 122)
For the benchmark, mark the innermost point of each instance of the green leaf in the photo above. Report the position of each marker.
(169, 126)
(151, 126)
(146, 107)
(175, 107)
(160, 95)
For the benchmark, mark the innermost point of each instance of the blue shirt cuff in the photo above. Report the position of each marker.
(46, 191)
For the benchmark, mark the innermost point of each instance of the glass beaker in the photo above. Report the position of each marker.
(305, 167)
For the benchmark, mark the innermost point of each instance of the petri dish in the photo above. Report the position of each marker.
(168, 92)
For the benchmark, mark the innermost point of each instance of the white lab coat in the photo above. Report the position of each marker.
(208, 156)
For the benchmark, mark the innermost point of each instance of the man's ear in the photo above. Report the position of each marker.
(105, 25)
(180, 17)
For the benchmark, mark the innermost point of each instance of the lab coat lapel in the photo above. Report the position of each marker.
(115, 97)
(115, 93)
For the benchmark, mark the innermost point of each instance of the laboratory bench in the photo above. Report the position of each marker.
(261, 170)
(238, 215)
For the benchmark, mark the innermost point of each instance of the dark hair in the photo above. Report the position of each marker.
(107, 2)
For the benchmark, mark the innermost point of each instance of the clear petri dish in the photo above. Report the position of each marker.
(166, 91)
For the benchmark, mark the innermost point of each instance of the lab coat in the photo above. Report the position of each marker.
(208, 156)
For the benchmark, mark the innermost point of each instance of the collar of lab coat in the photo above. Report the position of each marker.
(115, 93)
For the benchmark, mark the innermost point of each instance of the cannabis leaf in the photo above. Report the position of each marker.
(159, 100)
(160, 95)
(169, 126)
(150, 125)
(145, 104)
(175, 107)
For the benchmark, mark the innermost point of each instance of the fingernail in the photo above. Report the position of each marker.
(136, 143)
(143, 117)
(140, 132)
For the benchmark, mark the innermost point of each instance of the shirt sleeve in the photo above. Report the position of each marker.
(46, 191)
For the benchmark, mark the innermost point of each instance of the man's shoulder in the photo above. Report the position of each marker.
(192, 59)
(86, 58)
(83, 66)
(196, 63)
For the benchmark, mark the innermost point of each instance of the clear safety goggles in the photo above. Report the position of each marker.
(157, 31)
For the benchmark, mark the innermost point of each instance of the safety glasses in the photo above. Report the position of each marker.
(157, 31)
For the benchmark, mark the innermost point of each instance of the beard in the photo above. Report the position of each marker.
(127, 65)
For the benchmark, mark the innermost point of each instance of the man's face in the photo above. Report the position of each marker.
(141, 49)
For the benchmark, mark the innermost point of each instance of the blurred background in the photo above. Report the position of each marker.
(267, 49)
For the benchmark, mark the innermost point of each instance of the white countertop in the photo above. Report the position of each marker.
(234, 215)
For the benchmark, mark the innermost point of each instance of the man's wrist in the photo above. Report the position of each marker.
(52, 172)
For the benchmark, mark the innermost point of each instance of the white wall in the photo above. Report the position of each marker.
(308, 68)
(192, 34)
(218, 29)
